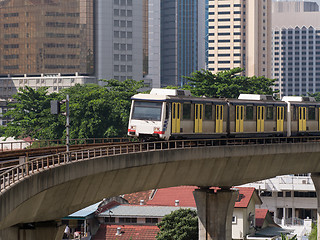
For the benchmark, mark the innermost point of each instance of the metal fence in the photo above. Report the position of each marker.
(24, 170)
(20, 144)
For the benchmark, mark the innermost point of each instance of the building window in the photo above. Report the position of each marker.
(127, 220)
(151, 220)
(234, 219)
(109, 220)
(266, 194)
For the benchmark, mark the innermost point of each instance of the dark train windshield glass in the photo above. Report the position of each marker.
(147, 110)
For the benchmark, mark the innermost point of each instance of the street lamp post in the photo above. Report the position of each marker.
(55, 109)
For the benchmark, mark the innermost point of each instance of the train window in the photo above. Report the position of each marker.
(294, 113)
(269, 113)
(249, 112)
(311, 113)
(147, 110)
(186, 111)
(167, 110)
(208, 112)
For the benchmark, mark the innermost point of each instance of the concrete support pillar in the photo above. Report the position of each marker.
(215, 212)
(316, 181)
(38, 232)
(293, 214)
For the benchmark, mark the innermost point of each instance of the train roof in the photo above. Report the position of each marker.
(175, 95)
(298, 99)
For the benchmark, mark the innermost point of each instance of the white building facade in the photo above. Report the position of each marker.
(239, 35)
(290, 199)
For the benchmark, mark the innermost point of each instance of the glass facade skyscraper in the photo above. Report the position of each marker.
(180, 36)
(46, 36)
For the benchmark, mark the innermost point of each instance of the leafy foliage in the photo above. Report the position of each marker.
(228, 84)
(285, 237)
(313, 234)
(315, 95)
(31, 113)
(95, 111)
(181, 224)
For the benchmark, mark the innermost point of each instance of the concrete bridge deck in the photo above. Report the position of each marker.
(51, 188)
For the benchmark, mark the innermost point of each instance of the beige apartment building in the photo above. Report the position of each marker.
(239, 35)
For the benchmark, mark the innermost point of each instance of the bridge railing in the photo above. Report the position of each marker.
(21, 144)
(24, 170)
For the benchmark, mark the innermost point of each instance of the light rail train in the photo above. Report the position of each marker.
(175, 114)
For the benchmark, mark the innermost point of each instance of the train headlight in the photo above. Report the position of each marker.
(156, 130)
(132, 130)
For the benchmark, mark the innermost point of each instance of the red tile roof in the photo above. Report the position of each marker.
(128, 232)
(134, 198)
(260, 216)
(167, 196)
(245, 194)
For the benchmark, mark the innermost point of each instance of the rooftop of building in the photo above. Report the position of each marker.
(133, 232)
(184, 196)
(136, 211)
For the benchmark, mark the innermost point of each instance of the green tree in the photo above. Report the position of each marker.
(315, 95)
(181, 224)
(285, 237)
(31, 114)
(228, 84)
(313, 234)
(95, 111)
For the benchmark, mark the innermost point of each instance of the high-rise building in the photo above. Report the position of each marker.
(294, 6)
(296, 48)
(121, 39)
(45, 43)
(182, 46)
(239, 35)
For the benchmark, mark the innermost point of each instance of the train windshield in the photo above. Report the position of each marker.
(147, 110)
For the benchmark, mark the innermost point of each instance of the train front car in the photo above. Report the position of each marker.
(149, 116)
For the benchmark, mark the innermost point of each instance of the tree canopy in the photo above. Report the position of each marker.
(181, 224)
(95, 111)
(229, 84)
(31, 113)
(103, 111)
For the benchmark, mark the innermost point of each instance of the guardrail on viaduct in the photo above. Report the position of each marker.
(23, 144)
(22, 171)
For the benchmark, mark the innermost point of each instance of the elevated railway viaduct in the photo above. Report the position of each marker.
(53, 187)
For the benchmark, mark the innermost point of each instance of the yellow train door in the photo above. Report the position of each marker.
(280, 118)
(302, 118)
(176, 110)
(260, 118)
(239, 118)
(198, 117)
(219, 118)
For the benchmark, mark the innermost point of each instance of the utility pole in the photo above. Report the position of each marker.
(55, 109)
(67, 126)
